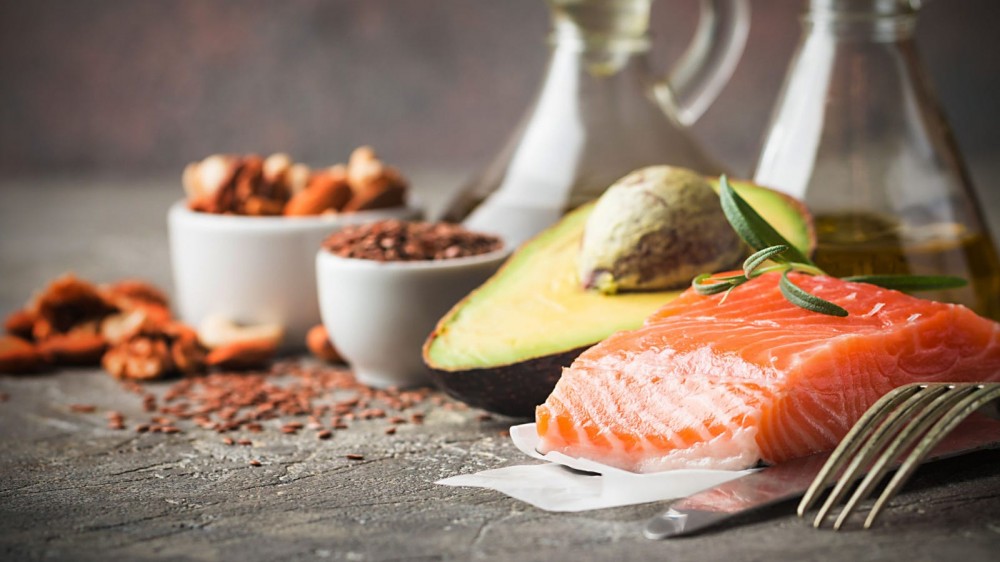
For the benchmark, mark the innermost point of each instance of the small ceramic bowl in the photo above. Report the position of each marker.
(254, 269)
(378, 314)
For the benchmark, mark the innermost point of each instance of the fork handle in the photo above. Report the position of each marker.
(776, 484)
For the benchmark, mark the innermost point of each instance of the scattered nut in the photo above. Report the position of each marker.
(75, 348)
(217, 331)
(21, 323)
(18, 356)
(65, 304)
(242, 355)
(319, 344)
(154, 352)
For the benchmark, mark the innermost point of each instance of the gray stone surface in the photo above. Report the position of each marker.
(71, 489)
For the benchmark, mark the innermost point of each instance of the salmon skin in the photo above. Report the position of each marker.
(707, 383)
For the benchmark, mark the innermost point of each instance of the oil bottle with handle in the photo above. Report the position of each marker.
(858, 135)
(602, 112)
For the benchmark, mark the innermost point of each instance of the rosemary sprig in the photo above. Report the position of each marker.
(771, 246)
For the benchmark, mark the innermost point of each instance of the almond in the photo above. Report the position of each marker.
(318, 342)
(327, 190)
(391, 195)
(18, 356)
(242, 355)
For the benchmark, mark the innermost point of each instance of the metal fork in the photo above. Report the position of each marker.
(911, 419)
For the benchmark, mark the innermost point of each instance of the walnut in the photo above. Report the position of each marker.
(65, 304)
(156, 351)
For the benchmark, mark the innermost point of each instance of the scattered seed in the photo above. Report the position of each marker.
(484, 417)
(142, 428)
(83, 408)
(255, 462)
(324, 434)
(170, 429)
(391, 430)
(355, 457)
(228, 441)
(244, 442)
(4, 397)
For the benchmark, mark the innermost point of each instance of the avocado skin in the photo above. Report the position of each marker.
(509, 390)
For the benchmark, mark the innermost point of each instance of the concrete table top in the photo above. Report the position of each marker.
(72, 489)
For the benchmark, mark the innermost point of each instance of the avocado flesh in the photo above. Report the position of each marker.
(502, 348)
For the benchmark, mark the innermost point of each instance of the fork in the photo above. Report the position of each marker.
(910, 420)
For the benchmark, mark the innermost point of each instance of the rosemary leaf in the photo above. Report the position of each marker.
(910, 282)
(758, 258)
(808, 301)
(751, 227)
(716, 287)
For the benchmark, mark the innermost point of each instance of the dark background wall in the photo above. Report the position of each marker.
(142, 87)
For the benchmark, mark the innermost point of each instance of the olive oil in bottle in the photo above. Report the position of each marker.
(867, 243)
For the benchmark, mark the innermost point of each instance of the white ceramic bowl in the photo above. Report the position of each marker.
(254, 269)
(378, 314)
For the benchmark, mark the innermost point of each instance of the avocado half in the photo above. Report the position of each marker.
(503, 347)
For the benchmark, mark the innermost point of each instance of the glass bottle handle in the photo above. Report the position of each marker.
(709, 60)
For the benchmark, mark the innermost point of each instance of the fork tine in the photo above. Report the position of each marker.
(915, 428)
(876, 440)
(984, 394)
(849, 444)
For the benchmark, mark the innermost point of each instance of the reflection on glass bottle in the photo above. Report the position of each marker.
(601, 113)
(858, 134)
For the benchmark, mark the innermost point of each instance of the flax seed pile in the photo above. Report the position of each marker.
(290, 398)
(394, 240)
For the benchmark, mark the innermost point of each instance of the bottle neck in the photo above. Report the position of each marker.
(601, 25)
(878, 21)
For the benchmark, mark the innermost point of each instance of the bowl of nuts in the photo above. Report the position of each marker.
(384, 285)
(243, 242)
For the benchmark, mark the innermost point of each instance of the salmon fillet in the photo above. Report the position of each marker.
(724, 385)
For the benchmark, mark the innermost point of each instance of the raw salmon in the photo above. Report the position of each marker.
(713, 384)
